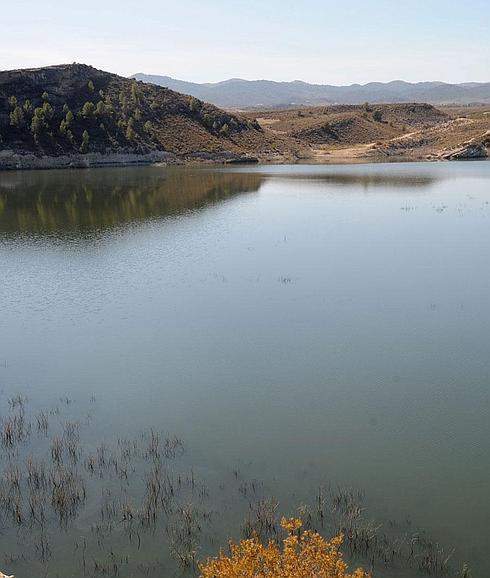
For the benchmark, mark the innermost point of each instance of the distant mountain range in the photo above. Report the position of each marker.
(238, 93)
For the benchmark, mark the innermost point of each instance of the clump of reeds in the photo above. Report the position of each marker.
(261, 520)
(67, 493)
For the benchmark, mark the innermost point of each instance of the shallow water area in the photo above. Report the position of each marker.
(255, 338)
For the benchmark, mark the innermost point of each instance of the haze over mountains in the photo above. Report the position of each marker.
(238, 93)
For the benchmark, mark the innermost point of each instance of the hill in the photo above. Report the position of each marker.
(344, 133)
(76, 115)
(351, 124)
(71, 110)
(244, 94)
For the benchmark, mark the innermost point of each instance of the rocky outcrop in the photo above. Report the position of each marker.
(10, 160)
(469, 150)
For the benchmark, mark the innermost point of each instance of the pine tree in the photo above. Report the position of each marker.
(134, 91)
(88, 110)
(38, 123)
(85, 142)
(123, 101)
(48, 111)
(28, 108)
(17, 117)
(130, 134)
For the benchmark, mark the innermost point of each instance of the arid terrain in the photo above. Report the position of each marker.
(405, 131)
(76, 115)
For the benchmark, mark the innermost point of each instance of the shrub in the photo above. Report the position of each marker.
(194, 104)
(377, 115)
(302, 555)
(100, 108)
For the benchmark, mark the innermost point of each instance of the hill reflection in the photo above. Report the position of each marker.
(67, 201)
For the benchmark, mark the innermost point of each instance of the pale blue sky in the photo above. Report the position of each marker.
(313, 40)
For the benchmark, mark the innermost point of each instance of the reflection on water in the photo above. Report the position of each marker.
(372, 181)
(301, 340)
(56, 201)
(50, 201)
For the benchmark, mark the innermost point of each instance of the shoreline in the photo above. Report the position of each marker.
(12, 161)
(360, 154)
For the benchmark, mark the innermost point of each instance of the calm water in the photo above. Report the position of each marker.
(296, 326)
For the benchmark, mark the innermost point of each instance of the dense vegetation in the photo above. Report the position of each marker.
(303, 555)
(77, 108)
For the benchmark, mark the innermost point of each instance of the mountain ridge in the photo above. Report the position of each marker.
(240, 93)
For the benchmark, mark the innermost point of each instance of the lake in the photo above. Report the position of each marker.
(191, 353)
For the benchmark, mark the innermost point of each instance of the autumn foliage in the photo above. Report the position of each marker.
(303, 554)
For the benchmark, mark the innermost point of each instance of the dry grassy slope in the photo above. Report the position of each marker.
(178, 123)
(438, 140)
(348, 125)
(407, 130)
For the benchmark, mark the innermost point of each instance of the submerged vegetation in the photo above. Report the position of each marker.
(114, 504)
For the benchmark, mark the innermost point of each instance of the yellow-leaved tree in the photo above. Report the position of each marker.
(304, 554)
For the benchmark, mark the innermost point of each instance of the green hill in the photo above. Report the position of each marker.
(76, 109)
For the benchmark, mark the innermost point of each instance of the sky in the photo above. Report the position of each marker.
(320, 41)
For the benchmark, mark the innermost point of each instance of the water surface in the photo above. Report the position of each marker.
(302, 325)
